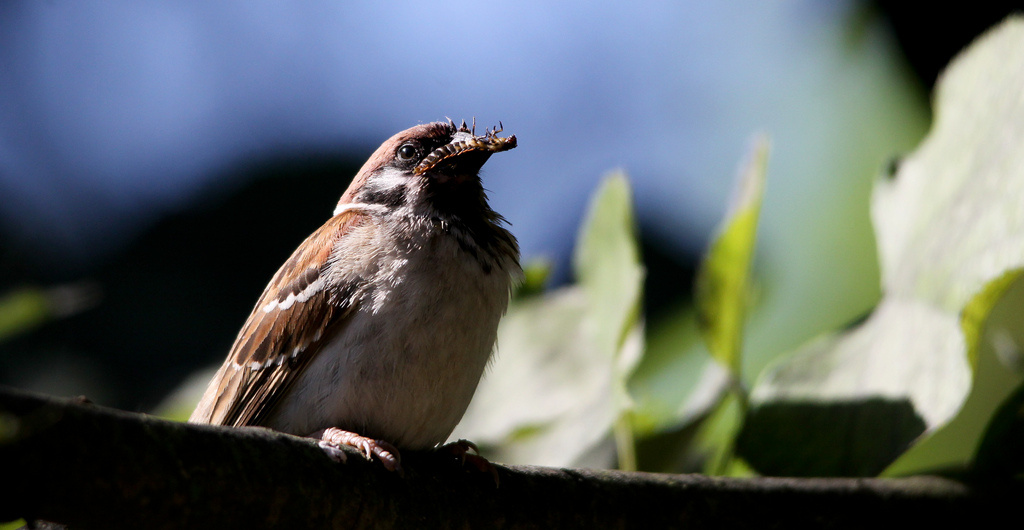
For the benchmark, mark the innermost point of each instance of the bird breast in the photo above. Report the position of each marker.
(407, 361)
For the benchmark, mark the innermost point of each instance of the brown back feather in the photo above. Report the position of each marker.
(274, 347)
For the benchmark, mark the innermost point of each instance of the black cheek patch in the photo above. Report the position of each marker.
(392, 198)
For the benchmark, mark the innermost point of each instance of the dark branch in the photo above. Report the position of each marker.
(91, 467)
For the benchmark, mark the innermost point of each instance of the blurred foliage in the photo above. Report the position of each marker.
(27, 308)
(950, 230)
(22, 310)
(950, 233)
(723, 294)
(722, 284)
(556, 393)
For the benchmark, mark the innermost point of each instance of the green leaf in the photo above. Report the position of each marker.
(677, 381)
(716, 437)
(556, 393)
(607, 261)
(24, 309)
(999, 456)
(723, 280)
(904, 350)
(535, 278)
(976, 313)
(999, 370)
(948, 224)
(608, 268)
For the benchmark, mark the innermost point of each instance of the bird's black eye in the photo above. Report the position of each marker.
(407, 152)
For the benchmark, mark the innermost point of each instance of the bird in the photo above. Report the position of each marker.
(375, 333)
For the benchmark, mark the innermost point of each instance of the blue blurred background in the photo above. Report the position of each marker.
(159, 160)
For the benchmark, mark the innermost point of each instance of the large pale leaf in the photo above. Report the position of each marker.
(948, 223)
(998, 374)
(557, 386)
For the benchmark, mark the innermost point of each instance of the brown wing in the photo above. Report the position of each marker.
(298, 311)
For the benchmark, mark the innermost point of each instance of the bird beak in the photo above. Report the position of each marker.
(468, 148)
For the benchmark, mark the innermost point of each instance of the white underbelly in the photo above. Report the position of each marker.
(408, 360)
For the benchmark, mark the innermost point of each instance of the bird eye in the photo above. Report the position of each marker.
(406, 152)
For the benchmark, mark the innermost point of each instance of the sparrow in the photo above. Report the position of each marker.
(375, 332)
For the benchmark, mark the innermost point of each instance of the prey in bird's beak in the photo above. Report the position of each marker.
(466, 144)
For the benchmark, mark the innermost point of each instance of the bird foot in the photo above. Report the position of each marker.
(332, 439)
(461, 450)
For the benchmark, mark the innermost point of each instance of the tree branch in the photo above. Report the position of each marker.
(87, 466)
